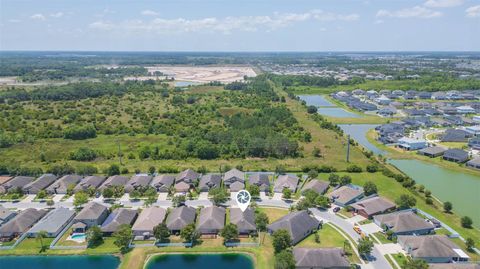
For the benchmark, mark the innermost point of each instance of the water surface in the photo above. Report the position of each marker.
(59, 262)
(185, 83)
(358, 132)
(337, 112)
(200, 261)
(315, 100)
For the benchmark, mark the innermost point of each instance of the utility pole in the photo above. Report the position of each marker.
(348, 148)
(119, 153)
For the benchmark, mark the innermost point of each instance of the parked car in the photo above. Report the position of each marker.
(336, 209)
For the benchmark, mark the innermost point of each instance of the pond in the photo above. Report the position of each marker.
(59, 262)
(315, 100)
(337, 112)
(185, 83)
(358, 132)
(462, 190)
(200, 261)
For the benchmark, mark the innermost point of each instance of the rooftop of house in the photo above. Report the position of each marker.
(374, 205)
(403, 221)
(296, 223)
(320, 258)
(345, 194)
(430, 246)
(149, 218)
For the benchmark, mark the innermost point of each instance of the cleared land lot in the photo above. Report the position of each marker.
(205, 74)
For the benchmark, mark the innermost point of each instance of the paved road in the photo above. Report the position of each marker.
(377, 260)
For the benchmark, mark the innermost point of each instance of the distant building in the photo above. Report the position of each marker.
(432, 152)
(455, 135)
(411, 144)
(456, 155)
(474, 163)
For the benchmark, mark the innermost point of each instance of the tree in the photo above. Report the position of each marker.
(369, 188)
(316, 152)
(466, 222)
(80, 198)
(333, 179)
(415, 264)
(447, 207)
(372, 168)
(254, 190)
(135, 194)
(406, 201)
(389, 234)
(281, 240)
(287, 193)
(312, 109)
(123, 236)
(345, 180)
(150, 201)
(161, 232)
(427, 193)
(365, 247)
(322, 201)
(470, 243)
(284, 260)
(39, 237)
(312, 173)
(219, 195)
(113, 170)
(188, 233)
(261, 220)
(229, 232)
(108, 192)
(42, 194)
(151, 170)
(178, 200)
(354, 169)
(94, 236)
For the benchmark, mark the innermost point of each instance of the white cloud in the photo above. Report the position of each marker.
(443, 3)
(38, 16)
(224, 25)
(473, 11)
(57, 15)
(414, 12)
(149, 13)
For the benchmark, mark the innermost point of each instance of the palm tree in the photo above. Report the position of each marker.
(39, 237)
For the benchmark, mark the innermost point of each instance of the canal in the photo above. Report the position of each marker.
(200, 261)
(59, 262)
(327, 108)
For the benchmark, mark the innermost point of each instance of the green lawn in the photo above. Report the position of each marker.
(64, 242)
(329, 237)
(400, 259)
(382, 238)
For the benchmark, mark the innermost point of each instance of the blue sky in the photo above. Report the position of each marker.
(242, 25)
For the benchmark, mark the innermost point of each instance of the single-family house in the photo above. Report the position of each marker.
(474, 130)
(53, 222)
(15, 183)
(118, 217)
(237, 186)
(261, 180)
(209, 181)
(455, 135)
(137, 182)
(425, 95)
(465, 110)
(21, 223)
(286, 181)
(211, 220)
(346, 195)
(298, 224)
(6, 215)
(454, 266)
(373, 206)
(404, 223)
(316, 185)
(188, 176)
(453, 120)
(180, 217)
(432, 152)
(432, 248)
(147, 220)
(439, 96)
(4, 179)
(245, 220)
(408, 143)
(63, 184)
(92, 214)
(163, 183)
(474, 163)
(383, 100)
(90, 182)
(39, 184)
(320, 258)
(233, 175)
(455, 155)
(114, 181)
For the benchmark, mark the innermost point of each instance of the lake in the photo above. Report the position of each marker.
(358, 132)
(185, 83)
(200, 261)
(59, 262)
(462, 190)
(315, 100)
(337, 112)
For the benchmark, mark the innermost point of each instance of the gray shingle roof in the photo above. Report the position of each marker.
(53, 221)
(61, 185)
(403, 221)
(137, 181)
(188, 176)
(455, 135)
(286, 181)
(211, 218)
(118, 217)
(41, 183)
(245, 220)
(429, 246)
(162, 182)
(210, 181)
(234, 175)
(17, 182)
(456, 154)
(237, 186)
(345, 194)
(319, 186)
(261, 180)
(298, 224)
(89, 182)
(92, 211)
(149, 218)
(180, 217)
(22, 222)
(374, 205)
(432, 150)
(454, 266)
(320, 258)
(114, 181)
(5, 214)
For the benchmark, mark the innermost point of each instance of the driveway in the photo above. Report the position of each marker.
(376, 260)
(277, 196)
(57, 197)
(162, 196)
(28, 199)
(370, 228)
(203, 196)
(356, 219)
(390, 248)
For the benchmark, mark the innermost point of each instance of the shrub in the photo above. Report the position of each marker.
(80, 132)
(83, 154)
